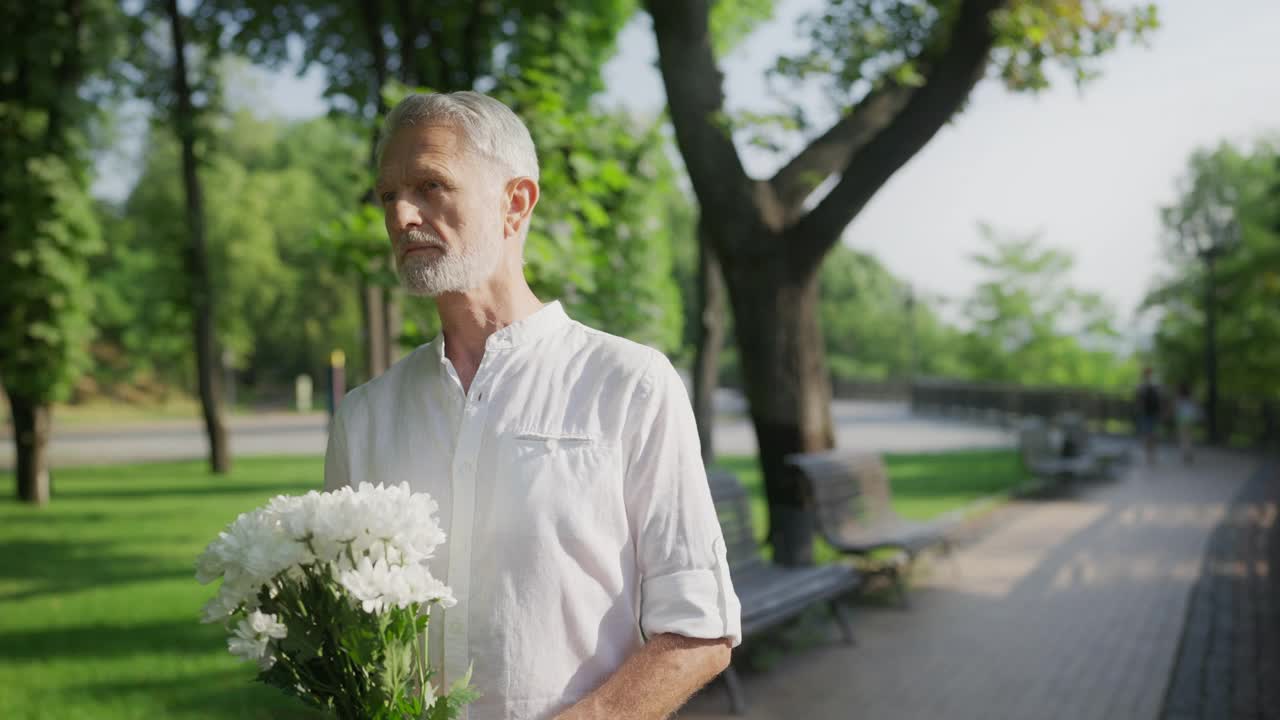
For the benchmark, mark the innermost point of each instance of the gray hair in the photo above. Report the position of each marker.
(486, 125)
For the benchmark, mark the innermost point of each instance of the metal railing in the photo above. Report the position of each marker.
(1243, 422)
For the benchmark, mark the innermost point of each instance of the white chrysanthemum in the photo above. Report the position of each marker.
(252, 549)
(378, 586)
(365, 583)
(371, 543)
(253, 636)
(248, 554)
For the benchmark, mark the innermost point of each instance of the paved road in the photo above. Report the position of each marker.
(1068, 608)
(873, 426)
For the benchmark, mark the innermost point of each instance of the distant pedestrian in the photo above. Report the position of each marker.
(1148, 410)
(1186, 414)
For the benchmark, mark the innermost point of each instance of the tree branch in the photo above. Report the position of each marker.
(955, 74)
(695, 94)
(830, 153)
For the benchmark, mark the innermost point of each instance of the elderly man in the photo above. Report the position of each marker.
(583, 549)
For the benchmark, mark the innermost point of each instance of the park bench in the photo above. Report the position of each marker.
(770, 594)
(1045, 461)
(1111, 453)
(852, 502)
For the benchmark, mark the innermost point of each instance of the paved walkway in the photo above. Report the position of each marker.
(1067, 608)
(1228, 662)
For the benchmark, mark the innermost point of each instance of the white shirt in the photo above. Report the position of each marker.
(571, 488)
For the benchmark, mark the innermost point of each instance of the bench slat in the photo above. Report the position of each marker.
(853, 504)
(769, 593)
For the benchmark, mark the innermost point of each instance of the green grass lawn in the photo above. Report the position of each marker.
(99, 607)
(98, 604)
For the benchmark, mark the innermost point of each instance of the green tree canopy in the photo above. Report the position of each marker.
(53, 57)
(1029, 325)
(269, 187)
(1247, 180)
(877, 326)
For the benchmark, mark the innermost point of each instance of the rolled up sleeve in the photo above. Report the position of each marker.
(685, 586)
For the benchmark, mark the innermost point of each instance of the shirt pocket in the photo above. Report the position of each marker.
(556, 485)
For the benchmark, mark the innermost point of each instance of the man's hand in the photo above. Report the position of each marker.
(655, 681)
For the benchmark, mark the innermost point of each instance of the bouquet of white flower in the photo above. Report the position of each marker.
(330, 593)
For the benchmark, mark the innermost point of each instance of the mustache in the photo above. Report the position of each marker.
(419, 238)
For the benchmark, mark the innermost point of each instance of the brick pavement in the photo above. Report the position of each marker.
(1066, 608)
(1228, 662)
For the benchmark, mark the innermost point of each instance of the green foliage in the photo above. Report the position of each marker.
(52, 63)
(733, 20)
(449, 46)
(269, 188)
(1030, 326)
(1247, 276)
(876, 327)
(1031, 35)
(1027, 324)
(49, 232)
(357, 664)
(859, 44)
(598, 240)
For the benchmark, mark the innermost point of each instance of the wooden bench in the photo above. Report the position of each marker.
(770, 594)
(853, 505)
(1043, 460)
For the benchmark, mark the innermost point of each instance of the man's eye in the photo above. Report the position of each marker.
(431, 185)
(387, 197)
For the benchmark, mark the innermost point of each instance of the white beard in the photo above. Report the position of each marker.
(428, 275)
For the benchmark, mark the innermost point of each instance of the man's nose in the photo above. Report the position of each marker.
(406, 216)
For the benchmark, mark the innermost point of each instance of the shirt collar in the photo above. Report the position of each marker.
(543, 322)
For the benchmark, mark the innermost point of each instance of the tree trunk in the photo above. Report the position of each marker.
(783, 361)
(31, 441)
(711, 331)
(393, 319)
(196, 256)
(771, 247)
(378, 304)
(375, 329)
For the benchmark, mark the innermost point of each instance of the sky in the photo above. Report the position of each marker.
(1088, 169)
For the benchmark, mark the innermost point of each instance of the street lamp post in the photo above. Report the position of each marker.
(1209, 234)
(909, 304)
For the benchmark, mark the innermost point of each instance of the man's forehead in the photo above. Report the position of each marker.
(416, 144)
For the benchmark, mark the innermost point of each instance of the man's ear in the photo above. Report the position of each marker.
(522, 196)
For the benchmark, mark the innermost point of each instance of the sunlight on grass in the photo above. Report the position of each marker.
(98, 604)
